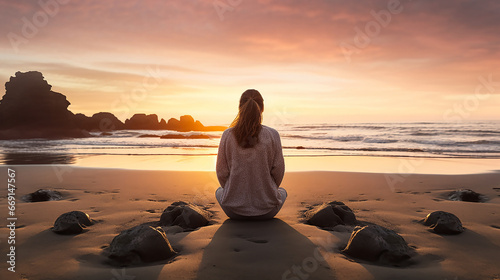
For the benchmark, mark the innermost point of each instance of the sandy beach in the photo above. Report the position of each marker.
(283, 248)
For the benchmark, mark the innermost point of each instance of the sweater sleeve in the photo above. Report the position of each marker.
(278, 168)
(222, 168)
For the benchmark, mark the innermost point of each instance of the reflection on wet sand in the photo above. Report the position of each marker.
(37, 158)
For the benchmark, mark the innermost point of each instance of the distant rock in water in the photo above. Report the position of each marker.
(42, 195)
(466, 195)
(140, 244)
(143, 121)
(378, 244)
(30, 109)
(102, 122)
(443, 223)
(72, 223)
(185, 124)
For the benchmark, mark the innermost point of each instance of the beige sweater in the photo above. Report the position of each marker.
(250, 177)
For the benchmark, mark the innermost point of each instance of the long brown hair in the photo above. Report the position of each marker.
(247, 125)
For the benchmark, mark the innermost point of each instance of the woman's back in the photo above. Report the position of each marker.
(250, 177)
(250, 164)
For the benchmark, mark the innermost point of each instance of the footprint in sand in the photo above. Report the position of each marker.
(259, 241)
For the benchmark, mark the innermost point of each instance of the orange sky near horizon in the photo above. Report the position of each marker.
(321, 61)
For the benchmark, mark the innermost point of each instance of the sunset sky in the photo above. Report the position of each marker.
(314, 61)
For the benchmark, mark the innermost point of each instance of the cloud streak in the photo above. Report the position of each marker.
(430, 48)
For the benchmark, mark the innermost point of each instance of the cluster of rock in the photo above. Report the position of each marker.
(141, 244)
(368, 242)
(144, 243)
(30, 109)
(184, 124)
(372, 242)
(148, 242)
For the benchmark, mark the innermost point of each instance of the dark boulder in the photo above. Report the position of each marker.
(466, 195)
(330, 214)
(140, 244)
(375, 243)
(185, 215)
(72, 223)
(42, 195)
(443, 223)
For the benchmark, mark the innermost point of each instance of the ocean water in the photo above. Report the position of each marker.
(424, 139)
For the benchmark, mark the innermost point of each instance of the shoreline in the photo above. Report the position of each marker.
(364, 164)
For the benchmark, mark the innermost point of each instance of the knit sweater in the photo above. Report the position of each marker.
(250, 177)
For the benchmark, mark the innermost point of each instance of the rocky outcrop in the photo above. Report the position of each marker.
(330, 214)
(30, 109)
(187, 123)
(100, 122)
(184, 124)
(140, 244)
(378, 244)
(42, 195)
(185, 215)
(72, 223)
(443, 223)
(143, 121)
(466, 195)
